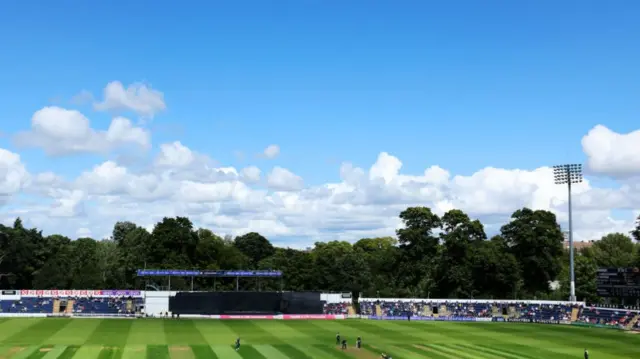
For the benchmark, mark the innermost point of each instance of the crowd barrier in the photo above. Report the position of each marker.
(591, 325)
(23, 315)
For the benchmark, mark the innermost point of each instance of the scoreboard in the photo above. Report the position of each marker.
(618, 282)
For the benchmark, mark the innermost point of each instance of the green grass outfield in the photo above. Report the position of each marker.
(52, 338)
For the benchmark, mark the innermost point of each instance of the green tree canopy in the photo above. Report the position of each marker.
(431, 256)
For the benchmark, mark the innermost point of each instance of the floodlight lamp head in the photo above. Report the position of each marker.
(566, 174)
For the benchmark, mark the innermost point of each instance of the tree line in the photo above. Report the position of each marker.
(448, 256)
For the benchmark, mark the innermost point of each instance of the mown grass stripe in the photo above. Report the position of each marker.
(39, 332)
(249, 352)
(494, 352)
(434, 348)
(24, 354)
(268, 351)
(87, 352)
(291, 351)
(459, 352)
(40, 352)
(106, 353)
(157, 352)
(393, 351)
(505, 353)
(424, 351)
(203, 352)
(55, 352)
(111, 353)
(68, 352)
(226, 352)
(134, 352)
(333, 351)
(181, 352)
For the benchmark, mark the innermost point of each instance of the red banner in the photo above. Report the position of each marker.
(308, 316)
(247, 317)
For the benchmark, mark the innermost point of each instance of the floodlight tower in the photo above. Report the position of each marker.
(569, 174)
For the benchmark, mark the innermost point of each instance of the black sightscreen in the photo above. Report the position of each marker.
(215, 303)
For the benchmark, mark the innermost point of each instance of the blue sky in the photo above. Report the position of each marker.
(460, 84)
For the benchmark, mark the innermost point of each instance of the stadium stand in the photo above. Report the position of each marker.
(547, 312)
(120, 305)
(487, 309)
(336, 308)
(39, 305)
(106, 305)
(606, 316)
(27, 305)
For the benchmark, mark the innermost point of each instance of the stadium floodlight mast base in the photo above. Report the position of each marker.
(569, 174)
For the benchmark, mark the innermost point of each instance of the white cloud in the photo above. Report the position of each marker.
(612, 153)
(281, 179)
(174, 155)
(362, 203)
(13, 175)
(251, 174)
(271, 152)
(59, 131)
(137, 97)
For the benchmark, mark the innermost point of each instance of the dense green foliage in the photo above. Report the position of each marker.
(431, 256)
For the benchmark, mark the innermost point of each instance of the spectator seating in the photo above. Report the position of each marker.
(100, 305)
(544, 311)
(606, 316)
(27, 305)
(36, 305)
(336, 308)
(611, 317)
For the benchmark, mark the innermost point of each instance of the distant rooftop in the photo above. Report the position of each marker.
(579, 245)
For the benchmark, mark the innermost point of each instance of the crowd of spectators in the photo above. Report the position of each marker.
(609, 317)
(543, 311)
(103, 305)
(336, 308)
(478, 310)
(604, 316)
(80, 305)
(27, 305)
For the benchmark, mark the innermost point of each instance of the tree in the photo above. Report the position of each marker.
(430, 257)
(381, 256)
(614, 250)
(85, 264)
(174, 243)
(535, 239)
(419, 249)
(586, 273)
(496, 271)
(121, 230)
(460, 237)
(636, 231)
(338, 267)
(255, 247)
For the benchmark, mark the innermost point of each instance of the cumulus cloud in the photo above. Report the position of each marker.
(612, 153)
(59, 131)
(13, 175)
(251, 174)
(362, 203)
(271, 152)
(137, 98)
(281, 179)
